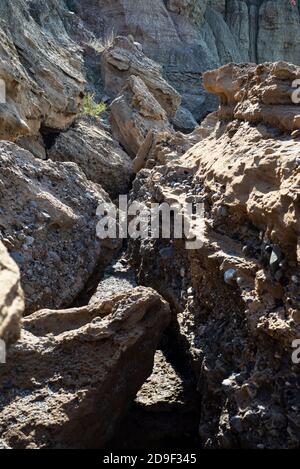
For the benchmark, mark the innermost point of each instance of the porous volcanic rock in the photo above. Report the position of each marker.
(48, 223)
(72, 375)
(258, 94)
(11, 298)
(237, 296)
(89, 144)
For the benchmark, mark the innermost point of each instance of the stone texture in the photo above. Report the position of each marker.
(257, 94)
(184, 120)
(165, 412)
(89, 144)
(81, 368)
(191, 36)
(41, 67)
(134, 113)
(48, 223)
(11, 298)
(124, 59)
(237, 297)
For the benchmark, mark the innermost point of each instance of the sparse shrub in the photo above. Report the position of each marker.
(99, 45)
(91, 107)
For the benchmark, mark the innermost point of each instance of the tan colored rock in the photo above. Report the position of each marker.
(134, 113)
(11, 298)
(162, 147)
(257, 94)
(124, 59)
(48, 219)
(237, 296)
(103, 161)
(81, 368)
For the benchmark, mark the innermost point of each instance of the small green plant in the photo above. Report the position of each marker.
(90, 107)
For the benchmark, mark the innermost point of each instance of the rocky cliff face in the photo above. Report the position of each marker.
(236, 297)
(11, 298)
(189, 37)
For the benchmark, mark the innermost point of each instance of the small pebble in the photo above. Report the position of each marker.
(229, 276)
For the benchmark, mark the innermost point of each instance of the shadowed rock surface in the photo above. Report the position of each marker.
(237, 297)
(94, 360)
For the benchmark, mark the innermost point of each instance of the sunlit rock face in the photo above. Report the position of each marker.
(191, 36)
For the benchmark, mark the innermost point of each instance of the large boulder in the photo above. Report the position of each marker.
(134, 113)
(80, 370)
(123, 59)
(188, 37)
(48, 223)
(89, 144)
(11, 298)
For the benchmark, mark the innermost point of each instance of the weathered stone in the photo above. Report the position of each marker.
(123, 59)
(90, 145)
(189, 37)
(11, 298)
(134, 113)
(62, 220)
(80, 370)
(184, 120)
(41, 68)
(246, 329)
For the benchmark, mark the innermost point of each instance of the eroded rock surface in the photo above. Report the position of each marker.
(134, 113)
(258, 94)
(11, 298)
(191, 36)
(41, 67)
(94, 360)
(89, 144)
(124, 59)
(48, 223)
(237, 297)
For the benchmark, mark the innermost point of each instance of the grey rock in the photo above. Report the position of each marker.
(102, 160)
(230, 276)
(66, 217)
(184, 120)
(191, 36)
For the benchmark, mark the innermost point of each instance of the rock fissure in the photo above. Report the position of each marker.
(143, 342)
